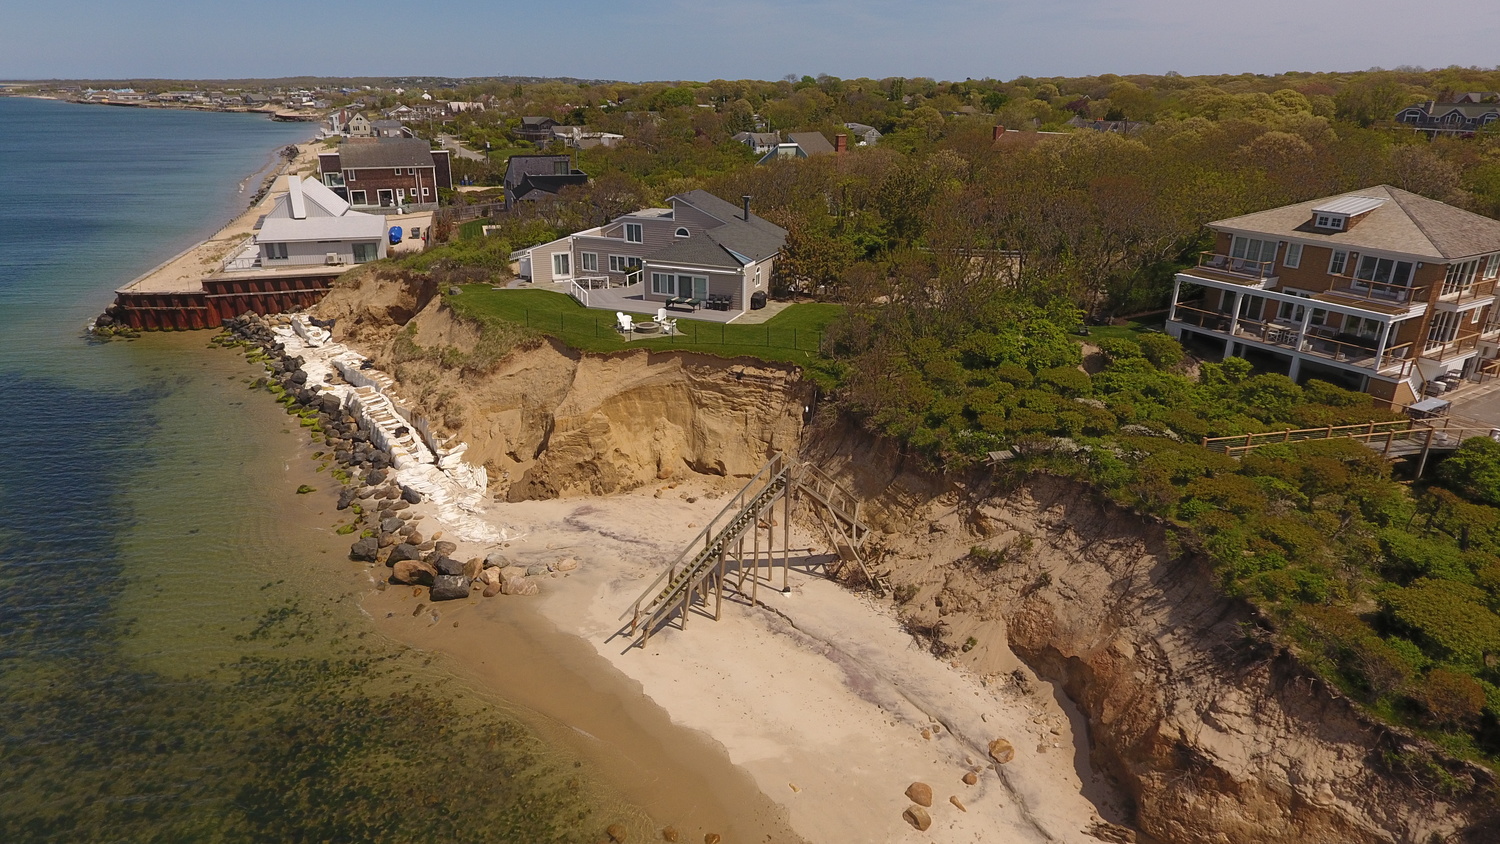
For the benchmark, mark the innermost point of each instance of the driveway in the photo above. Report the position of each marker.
(451, 143)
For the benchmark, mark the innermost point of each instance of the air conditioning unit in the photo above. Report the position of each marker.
(333, 259)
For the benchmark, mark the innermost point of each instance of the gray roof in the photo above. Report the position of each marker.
(1407, 223)
(387, 124)
(518, 166)
(762, 138)
(812, 143)
(756, 239)
(385, 152)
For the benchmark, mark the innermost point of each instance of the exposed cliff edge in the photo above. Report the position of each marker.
(1215, 733)
(550, 422)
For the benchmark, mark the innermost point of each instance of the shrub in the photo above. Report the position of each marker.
(1163, 351)
(1450, 699)
(1448, 619)
(1065, 380)
(1119, 348)
(1474, 470)
(1012, 374)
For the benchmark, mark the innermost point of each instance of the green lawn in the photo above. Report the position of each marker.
(472, 228)
(792, 336)
(1129, 331)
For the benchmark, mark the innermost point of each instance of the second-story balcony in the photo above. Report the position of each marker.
(1464, 297)
(1257, 274)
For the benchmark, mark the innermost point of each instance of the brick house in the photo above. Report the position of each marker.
(1377, 290)
(384, 174)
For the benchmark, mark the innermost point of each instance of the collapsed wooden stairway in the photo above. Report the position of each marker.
(701, 567)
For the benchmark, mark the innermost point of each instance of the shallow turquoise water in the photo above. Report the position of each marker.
(181, 656)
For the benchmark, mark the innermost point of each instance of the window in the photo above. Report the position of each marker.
(1385, 275)
(1492, 269)
(398, 171)
(365, 252)
(560, 167)
(1251, 249)
(1330, 221)
(560, 264)
(427, 191)
(411, 171)
(276, 251)
(356, 197)
(333, 180)
(1460, 276)
(664, 284)
(623, 264)
(1293, 255)
(400, 194)
(348, 175)
(588, 262)
(1336, 263)
(634, 233)
(683, 232)
(1443, 329)
(667, 284)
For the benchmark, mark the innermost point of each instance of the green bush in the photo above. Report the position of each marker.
(1163, 351)
(1474, 470)
(1066, 380)
(1448, 619)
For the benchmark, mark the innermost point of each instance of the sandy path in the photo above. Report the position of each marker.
(820, 695)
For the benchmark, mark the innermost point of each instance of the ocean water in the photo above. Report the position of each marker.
(182, 657)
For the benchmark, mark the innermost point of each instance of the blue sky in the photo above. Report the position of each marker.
(760, 39)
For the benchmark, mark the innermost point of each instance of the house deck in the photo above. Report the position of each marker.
(631, 300)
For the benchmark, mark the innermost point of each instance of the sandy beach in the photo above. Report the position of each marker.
(819, 696)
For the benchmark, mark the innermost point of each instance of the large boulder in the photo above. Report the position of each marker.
(365, 549)
(917, 817)
(403, 551)
(392, 525)
(1002, 751)
(473, 567)
(565, 564)
(519, 586)
(410, 496)
(414, 572)
(496, 560)
(919, 793)
(445, 548)
(449, 566)
(448, 587)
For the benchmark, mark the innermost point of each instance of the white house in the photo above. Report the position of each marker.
(310, 224)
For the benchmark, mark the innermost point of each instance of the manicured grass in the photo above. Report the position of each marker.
(792, 336)
(1131, 330)
(472, 229)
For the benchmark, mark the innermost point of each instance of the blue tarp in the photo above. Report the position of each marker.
(395, 234)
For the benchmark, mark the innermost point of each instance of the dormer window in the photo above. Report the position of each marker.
(1330, 221)
(683, 232)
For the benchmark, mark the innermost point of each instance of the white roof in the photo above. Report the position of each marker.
(290, 222)
(1349, 205)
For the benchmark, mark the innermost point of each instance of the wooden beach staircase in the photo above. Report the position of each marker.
(719, 550)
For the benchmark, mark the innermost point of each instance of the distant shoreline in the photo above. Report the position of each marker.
(274, 114)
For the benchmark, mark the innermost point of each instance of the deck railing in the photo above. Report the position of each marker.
(1376, 291)
(1396, 360)
(1236, 266)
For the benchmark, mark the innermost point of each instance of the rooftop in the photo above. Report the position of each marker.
(1401, 222)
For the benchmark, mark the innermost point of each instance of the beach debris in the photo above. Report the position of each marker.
(796, 789)
(712, 838)
(669, 833)
(971, 778)
(1002, 751)
(952, 798)
(414, 572)
(616, 833)
(447, 587)
(917, 817)
(919, 793)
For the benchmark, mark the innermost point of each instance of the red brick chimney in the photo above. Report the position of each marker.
(840, 143)
(999, 130)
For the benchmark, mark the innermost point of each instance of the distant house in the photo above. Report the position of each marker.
(582, 137)
(455, 107)
(359, 127)
(1121, 127)
(400, 112)
(532, 177)
(867, 136)
(535, 129)
(700, 247)
(311, 224)
(799, 145)
(761, 142)
(387, 173)
(1467, 114)
(390, 129)
(255, 100)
